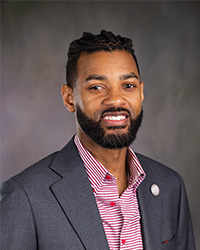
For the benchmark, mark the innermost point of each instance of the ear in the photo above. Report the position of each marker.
(142, 90)
(68, 97)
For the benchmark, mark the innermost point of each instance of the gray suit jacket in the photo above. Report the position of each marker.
(51, 206)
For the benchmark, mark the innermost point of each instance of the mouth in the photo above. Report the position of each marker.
(115, 119)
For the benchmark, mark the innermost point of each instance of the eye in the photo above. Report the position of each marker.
(129, 85)
(96, 87)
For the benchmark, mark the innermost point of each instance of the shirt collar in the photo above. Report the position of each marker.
(97, 172)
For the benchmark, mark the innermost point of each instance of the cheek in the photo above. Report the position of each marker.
(136, 105)
(80, 100)
(92, 110)
(89, 106)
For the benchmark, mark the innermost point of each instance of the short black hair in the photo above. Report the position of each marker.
(90, 43)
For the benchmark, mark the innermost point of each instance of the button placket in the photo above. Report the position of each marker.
(122, 238)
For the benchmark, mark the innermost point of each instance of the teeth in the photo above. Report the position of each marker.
(115, 118)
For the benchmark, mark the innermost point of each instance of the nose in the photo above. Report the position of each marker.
(114, 98)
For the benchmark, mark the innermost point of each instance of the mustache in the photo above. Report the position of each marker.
(113, 109)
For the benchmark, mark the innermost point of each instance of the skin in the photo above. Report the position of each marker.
(106, 79)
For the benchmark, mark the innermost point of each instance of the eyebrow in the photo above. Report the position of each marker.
(127, 76)
(103, 78)
(96, 77)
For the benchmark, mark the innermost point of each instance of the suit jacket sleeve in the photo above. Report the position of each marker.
(18, 230)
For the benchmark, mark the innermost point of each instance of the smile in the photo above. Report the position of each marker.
(114, 118)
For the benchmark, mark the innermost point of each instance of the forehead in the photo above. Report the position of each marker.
(106, 63)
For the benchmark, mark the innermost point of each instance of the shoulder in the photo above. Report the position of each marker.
(42, 171)
(167, 179)
(35, 169)
(156, 170)
(29, 179)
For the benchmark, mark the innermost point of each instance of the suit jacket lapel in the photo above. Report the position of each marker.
(151, 209)
(146, 218)
(75, 196)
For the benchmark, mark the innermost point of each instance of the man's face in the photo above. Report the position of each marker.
(108, 98)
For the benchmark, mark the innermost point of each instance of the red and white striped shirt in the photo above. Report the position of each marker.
(120, 215)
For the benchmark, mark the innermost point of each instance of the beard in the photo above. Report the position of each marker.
(115, 140)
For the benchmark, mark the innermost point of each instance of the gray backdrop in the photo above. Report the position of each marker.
(35, 38)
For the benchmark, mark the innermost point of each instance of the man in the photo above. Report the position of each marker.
(96, 193)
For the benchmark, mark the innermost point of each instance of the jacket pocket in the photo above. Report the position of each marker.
(169, 243)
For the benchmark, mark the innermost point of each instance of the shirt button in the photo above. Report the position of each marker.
(112, 204)
(123, 241)
(108, 177)
(93, 190)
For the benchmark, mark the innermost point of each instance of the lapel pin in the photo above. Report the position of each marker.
(155, 190)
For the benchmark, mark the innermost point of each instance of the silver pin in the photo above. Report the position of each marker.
(155, 190)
